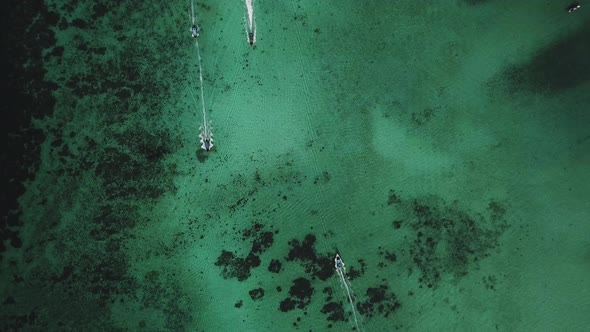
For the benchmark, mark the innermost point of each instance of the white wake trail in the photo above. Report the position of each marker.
(346, 286)
(193, 11)
(206, 136)
(250, 10)
(206, 130)
(201, 81)
(250, 22)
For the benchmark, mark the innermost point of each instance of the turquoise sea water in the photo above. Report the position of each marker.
(442, 148)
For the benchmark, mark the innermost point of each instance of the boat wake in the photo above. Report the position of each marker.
(345, 283)
(250, 22)
(205, 135)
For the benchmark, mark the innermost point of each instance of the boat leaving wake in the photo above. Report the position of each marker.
(205, 135)
(345, 283)
(250, 22)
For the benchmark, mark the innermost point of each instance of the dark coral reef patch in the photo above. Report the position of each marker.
(299, 295)
(239, 267)
(317, 266)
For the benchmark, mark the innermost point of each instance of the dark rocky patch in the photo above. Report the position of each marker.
(323, 179)
(317, 267)
(393, 198)
(90, 272)
(424, 116)
(299, 295)
(160, 292)
(464, 239)
(239, 268)
(353, 273)
(233, 266)
(57, 51)
(287, 305)
(136, 170)
(262, 242)
(20, 322)
(63, 24)
(52, 18)
(379, 301)
(335, 311)
(99, 11)
(390, 256)
(27, 95)
(490, 282)
(256, 294)
(80, 23)
(275, 266)
(113, 219)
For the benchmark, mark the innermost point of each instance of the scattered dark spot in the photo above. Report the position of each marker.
(391, 256)
(393, 198)
(257, 294)
(421, 118)
(274, 266)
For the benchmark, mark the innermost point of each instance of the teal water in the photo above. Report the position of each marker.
(441, 148)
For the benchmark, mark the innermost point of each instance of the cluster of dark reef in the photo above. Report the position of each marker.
(316, 266)
(333, 309)
(441, 239)
(451, 241)
(92, 269)
(234, 266)
(379, 300)
(299, 295)
(27, 96)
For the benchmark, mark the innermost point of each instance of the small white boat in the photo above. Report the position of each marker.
(338, 263)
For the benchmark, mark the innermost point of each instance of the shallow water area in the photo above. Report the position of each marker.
(440, 149)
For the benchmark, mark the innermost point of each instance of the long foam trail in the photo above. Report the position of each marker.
(206, 131)
(250, 10)
(193, 11)
(201, 81)
(250, 22)
(346, 286)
